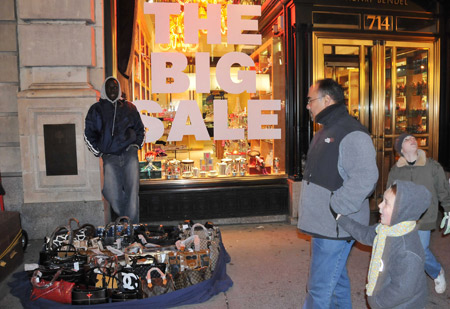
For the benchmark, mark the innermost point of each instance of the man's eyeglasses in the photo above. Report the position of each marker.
(309, 100)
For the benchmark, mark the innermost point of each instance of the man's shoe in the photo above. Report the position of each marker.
(439, 283)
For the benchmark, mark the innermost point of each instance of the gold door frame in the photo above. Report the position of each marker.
(321, 38)
(376, 108)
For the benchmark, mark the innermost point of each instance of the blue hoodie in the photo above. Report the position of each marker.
(112, 126)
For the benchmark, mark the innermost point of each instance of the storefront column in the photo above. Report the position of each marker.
(61, 64)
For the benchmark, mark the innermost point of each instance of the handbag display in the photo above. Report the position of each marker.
(59, 291)
(153, 286)
(89, 296)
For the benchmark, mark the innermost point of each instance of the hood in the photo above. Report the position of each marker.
(411, 201)
(103, 91)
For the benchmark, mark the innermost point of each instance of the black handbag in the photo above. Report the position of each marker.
(66, 256)
(89, 296)
(118, 230)
(60, 236)
(120, 296)
(82, 234)
(140, 265)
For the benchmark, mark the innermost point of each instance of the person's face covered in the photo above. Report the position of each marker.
(112, 89)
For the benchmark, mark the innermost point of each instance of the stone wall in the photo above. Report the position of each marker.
(10, 164)
(51, 68)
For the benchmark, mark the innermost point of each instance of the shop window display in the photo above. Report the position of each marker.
(214, 158)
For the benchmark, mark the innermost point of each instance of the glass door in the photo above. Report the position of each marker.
(389, 87)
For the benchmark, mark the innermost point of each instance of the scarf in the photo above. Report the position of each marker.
(383, 231)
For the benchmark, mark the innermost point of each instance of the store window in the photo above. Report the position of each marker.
(192, 158)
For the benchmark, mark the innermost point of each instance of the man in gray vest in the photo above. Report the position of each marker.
(339, 176)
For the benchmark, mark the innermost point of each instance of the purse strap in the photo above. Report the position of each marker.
(198, 225)
(35, 280)
(149, 276)
(128, 223)
(73, 220)
(54, 235)
(183, 244)
(106, 263)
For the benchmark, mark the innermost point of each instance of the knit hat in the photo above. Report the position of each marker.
(399, 141)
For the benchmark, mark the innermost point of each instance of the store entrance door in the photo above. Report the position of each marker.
(390, 87)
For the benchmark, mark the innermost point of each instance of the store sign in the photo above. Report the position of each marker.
(188, 110)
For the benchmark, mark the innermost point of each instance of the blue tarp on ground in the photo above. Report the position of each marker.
(201, 292)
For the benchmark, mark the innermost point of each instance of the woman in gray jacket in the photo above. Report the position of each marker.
(413, 165)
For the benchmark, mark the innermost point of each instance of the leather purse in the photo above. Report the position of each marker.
(153, 286)
(89, 296)
(140, 265)
(60, 236)
(117, 230)
(58, 291)
(121, 296)
(82, 234)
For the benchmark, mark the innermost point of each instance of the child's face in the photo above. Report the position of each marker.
(387, 207)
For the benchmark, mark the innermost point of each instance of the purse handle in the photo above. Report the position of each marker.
(53, 235)
(115, 224)
(200, 225)
(139, 257)
(131, 248)
(39, 285)
(106, 262)
(182, 244)
(74, 220)
(149, 276)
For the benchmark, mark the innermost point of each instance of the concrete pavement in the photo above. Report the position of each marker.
(269, 268)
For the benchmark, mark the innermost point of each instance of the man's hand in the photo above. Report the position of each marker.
(445, 223)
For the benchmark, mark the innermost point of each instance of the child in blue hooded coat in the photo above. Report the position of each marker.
(396, 277)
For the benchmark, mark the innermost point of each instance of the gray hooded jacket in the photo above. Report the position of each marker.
(402, 282)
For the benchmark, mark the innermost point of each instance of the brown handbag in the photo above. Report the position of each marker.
(152, 286)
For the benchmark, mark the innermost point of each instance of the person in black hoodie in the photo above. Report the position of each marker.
(396, 278)
(114, 131)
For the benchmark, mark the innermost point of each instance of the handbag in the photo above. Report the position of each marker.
(102, 278)
(66, 256)
(203, 233)
(140, 265)
(68, 275)
(103, 273)
(59, 291)
(89, 296)
(120, 296)
(153, 286)
(118, 234)
(60, 236)
(82, 234)
(209, 239)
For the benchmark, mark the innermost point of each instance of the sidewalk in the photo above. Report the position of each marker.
(269, 268)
